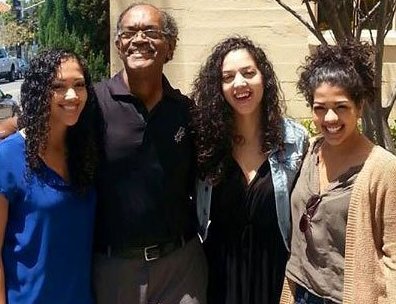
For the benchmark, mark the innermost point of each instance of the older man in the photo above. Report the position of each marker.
(146, 244)
(147, 250)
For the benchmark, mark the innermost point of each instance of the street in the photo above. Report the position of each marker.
(12, 88)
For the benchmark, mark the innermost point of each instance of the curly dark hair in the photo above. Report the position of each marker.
(82, 139)
(348, 65)
(213, 120)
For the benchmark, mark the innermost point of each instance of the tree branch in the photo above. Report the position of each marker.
(367, 123)
(363, 20)
(387, 108)
(378, 61)
(336, 21)
(370, 14)
(317, 34)
(390, 15)
(313, 18)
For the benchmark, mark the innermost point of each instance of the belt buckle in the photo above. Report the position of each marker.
(151, 253)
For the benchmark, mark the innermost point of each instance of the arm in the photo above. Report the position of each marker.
(288, 292)
(8, 126)
(389, 234)
(3, 223)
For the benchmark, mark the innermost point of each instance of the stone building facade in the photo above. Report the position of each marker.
(202, 23)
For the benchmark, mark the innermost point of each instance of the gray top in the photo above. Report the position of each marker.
(317, 255)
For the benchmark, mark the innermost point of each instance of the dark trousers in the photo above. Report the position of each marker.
(177, 278)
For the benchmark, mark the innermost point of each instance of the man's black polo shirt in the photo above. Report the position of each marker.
(146, 179)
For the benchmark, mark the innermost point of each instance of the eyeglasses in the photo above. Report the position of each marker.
(310, 210)
(149, 33)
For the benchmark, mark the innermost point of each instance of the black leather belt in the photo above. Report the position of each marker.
(148, 253)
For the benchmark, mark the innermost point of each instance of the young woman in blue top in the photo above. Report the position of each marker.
(250, 154)
(47, 202)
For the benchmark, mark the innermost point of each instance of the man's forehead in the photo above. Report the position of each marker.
(142, 14)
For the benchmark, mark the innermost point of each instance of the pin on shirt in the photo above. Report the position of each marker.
(180, 134)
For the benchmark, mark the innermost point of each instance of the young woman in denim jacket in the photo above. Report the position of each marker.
(250, 154)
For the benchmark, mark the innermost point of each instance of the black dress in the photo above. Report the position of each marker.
(245, 249)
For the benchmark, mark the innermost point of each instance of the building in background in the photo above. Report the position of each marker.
(202, 23)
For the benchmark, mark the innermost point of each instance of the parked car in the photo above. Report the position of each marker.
(8, 106)
(8, 65)
(22, 67)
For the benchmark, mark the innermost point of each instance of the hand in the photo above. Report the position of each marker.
(8, 127)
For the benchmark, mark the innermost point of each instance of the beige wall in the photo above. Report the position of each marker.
(202, 23)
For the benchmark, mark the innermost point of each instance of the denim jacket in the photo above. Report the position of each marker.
(284, 164)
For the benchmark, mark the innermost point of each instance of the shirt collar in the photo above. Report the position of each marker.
(117, 86)
(289, 136)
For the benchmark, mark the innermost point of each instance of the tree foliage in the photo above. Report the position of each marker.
(92, 19)
(348, 19)
(80, 25)
(17, 32)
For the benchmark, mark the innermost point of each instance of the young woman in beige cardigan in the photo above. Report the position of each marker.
(343, 247)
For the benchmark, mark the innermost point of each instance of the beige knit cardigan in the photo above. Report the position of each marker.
(370, 245)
